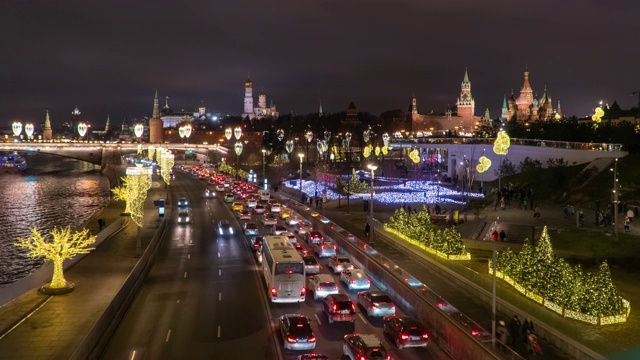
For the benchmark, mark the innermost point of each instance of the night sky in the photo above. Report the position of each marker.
(109, 56)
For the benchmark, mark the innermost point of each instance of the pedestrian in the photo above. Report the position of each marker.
(100, 223)
(503, 235)
(514, 330)
(409, 209)
(317, 202)
(626, 224)
(527, 328)
(495, 204)
(536, 213)
(494, 235)
(502, 334)
(630, 215)
(367, 228)
(502, 203)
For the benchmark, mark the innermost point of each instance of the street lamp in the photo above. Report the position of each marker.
(264, 179)
(238, 148)
(615, 197)
(138, 130)
(372, 168)
(82, 130)
(301, 155)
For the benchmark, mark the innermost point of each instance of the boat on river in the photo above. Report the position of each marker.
(12, 163)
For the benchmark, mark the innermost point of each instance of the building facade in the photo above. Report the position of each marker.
(262, 110)
(526, 107)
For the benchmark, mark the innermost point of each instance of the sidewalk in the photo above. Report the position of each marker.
(606, 340)
(36, 326)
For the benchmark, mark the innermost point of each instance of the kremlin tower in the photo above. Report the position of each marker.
(465, 104)
(155, 124)
(47, 133)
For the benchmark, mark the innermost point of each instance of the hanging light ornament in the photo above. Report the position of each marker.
(187, 130)
(181, 131)
(280, 133)
(237, 132)
(138, 130)
(228, 133)
(345, 144)
(238, 148)
(309, 136)
(139, 151)
(385, 150)
(325, 146)
(415, 156)
(484, 164)
(366, 152)
(502, 143)
(347, 137)
(289, 146)
(385, 139)
(82, 129)
(17, 128)
(366, 135)
(377, 151)
(28, 129)
(320, 147)
(327, 136)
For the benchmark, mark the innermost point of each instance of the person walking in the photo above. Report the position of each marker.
(367, 228)
(630, 215)
(495, 235)
(514, 330)
(502, 203)
(536, 213)
(626, 224)
(503, 235)
(502, 335)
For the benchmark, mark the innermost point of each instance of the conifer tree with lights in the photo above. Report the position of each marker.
(356, 186)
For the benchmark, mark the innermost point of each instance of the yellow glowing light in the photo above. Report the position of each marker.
(385, 150)
(134, 192)
(597, 117)
(366, 152)
(63, 244)
(415, 156)
(377, 151)
(484, 164)
(502, 143)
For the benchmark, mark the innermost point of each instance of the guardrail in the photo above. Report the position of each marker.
(475, 284)
(455, 333)
(401, 143)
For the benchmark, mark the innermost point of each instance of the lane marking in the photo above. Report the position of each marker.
(185, 274)
(318, 320)
(189, 256)
(178, 301)
(168, 336)
(219, 296)
(133, 355)
(219, 329)
(218, 253)
(220, 272)
(362, 317)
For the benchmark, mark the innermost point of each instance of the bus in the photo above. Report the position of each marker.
(283, 270)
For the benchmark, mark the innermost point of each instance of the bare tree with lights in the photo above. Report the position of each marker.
(61, 244)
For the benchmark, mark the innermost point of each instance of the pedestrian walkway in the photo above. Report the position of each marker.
(37, 326)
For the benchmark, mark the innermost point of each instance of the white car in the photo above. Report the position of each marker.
(275, 208)
(324, 249)
(269, 219)
(292, 238)
(220, 187)
(250, 203)
(338, 263)
(303, 228)
(355, 279)
(293, 220)
(322, 285)
(278, 229)
(245, 214)
(376, 303)
(209, 194)
(184, 217)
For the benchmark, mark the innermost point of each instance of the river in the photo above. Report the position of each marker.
(52, 191)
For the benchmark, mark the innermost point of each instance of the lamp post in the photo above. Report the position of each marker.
(372, 168)
(493, 290)
(215, 153)
(238, 148)
(301, 155)
(264, 179)
(615, 198)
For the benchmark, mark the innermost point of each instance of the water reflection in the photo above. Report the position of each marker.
(53, 191)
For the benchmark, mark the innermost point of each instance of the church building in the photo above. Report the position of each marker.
(526, 107)
(262, 111)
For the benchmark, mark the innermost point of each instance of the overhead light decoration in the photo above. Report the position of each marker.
(238, 148)
(320, 146)
(289, 146)
(366, 135)
(377, 151)
(415, 156)
(181, 131)
(187, 130)
(237, 132)
(597, 117)
(484, 164)
(385, 139)
(502, 143)
(366, 152)
(28, 129)
(280, 133)
(138, 130)
(17, 128)
(327, 136)
(347, 137)
(228, 133)
(82, 129)
(385, 150)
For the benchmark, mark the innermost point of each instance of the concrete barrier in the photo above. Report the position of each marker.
(43, 274)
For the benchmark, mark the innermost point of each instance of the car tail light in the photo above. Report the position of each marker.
(303, 291)
(425, 336)
(321, 247)
(404, 337)
(274, 292)
(393, 307)
(353, 308)
(369, 281)
(291, 339)
(374, 307)
(362, 358)
(353, 281)
(475, 332)
(335, 308)
(388, 357)
(335, 288)
(312, 339)
(335, 247)
(320, 288)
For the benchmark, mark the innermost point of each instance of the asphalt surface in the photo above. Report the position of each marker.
(205, 298)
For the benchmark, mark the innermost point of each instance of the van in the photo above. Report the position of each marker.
(264, 195)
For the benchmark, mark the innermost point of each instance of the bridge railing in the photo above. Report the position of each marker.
(514, 141)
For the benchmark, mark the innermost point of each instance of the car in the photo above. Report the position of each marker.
(209, 193)
(250, 229)
(211, 181)
(275, 207)
(364, 347)
(259, 209)
(256, 242)
(338, 263)
(293, 220)
(224, 228)
(376, 303)
(413, 282)
(220, 187)
(303, 228)
(184, 217)
(278, 229)
(405, 331)
(292, 238)
(296, 332)
(355, 279)
(183, 202)
(338, 307)
(284, 214)
(245, 214)
(269, 219)
(322, 285)
(202, 176)
(311, 265)
(325, 249)
(302, 251)
(313, 237)
(251, 203)
(312, 356)
(229, 198)
(351, 237)
(237, 206)
(314, 214)
(324, 220)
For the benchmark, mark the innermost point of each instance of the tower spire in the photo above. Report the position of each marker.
(47, 122)
(320, 109)
(156, 107)
(106, 126)
(466, 75)
(166, 102)
(47, 133)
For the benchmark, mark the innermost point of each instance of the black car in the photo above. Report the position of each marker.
(405, 331)
(312, 356)
(338, 307)
(296, 332)
(256, 243)
(364, 347)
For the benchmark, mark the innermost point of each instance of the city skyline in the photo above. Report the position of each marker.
(107, 60)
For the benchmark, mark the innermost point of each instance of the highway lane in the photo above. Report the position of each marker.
(202, 298)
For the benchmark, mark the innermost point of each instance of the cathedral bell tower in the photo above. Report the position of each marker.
(156, 124)
(248, 98)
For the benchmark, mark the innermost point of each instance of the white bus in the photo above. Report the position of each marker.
(283, 270)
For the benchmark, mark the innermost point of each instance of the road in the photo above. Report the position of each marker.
(205, 298)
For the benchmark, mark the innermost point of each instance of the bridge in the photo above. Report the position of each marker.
(472, 149)
(104, 154)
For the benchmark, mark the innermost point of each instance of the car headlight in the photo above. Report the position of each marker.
(230, 230)
(220, 231)
(187, 219)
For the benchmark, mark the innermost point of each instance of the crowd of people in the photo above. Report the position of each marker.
(518, 335)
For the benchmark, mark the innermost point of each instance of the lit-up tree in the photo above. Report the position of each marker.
(61, 244)
(151, 152)
(134, 192)
(356, 186)
(166, 164)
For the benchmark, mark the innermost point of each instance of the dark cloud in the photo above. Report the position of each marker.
(108, 57)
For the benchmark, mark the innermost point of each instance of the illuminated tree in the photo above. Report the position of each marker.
(61, 244)
(356, 186)
(151, 152)
(134, 192)
(166, 164)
